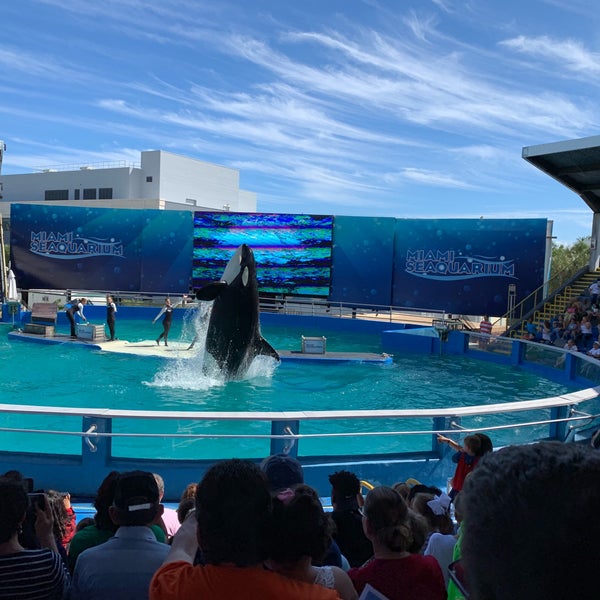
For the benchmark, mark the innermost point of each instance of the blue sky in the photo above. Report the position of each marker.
(416, 109)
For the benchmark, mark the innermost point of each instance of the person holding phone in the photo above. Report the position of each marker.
(28, 572)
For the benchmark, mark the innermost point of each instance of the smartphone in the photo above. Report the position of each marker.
(37, 499)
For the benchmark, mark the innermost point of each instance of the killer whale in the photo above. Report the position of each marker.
(233, 335)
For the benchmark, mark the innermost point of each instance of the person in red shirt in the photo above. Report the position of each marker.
(466, 457)
(393, 571)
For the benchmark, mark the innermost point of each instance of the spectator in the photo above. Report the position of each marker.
(594, 291)
(301, 534)
(453, 590)
(485, 327)
(349, 534)
(170, 520)
(465, 458)
(187, 501)
(440, 539)
(231, 521)
(122, 567)
(34, 574)
(393, 571)
(284, 471)
(531, 529)
(64, 520)
(104, 527)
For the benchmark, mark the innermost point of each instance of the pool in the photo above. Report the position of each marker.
(68, 376)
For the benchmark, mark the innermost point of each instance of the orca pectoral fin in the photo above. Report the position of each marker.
(266, 349)
(211, 291)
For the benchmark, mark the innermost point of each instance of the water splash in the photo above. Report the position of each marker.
(200, 372)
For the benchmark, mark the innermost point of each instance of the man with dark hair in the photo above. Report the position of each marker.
(349, 534)
(531, 527)
(123, 566)
(231, 525)
(282, 471)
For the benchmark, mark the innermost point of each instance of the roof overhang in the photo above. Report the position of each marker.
(574, 163)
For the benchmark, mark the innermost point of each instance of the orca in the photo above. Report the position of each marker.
(233, 336)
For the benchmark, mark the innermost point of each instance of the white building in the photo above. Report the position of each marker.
(162, 180)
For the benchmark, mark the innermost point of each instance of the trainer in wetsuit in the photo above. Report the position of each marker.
(75, 307)
(111, 309)
(167, 310)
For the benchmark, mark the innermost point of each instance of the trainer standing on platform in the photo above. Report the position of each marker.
(167, 310)
(75, 307)
(111, 309)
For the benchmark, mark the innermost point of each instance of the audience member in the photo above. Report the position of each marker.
(531, 529)
(231, 522)
(122, 567)
(64, 520)
(301, 534)
(170, 520)
(453, 591)
(421, 488)
(83, 523)
(393, 571)
(104, 527)
(187, 501)
(25, 573)
(284, 471)
(348, 533)
(465, 458)
(440, 539)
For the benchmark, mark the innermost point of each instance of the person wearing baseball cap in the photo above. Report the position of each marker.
(122, 567)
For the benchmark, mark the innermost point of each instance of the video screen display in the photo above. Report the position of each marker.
(292, 252)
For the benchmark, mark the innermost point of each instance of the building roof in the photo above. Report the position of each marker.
(574, 163)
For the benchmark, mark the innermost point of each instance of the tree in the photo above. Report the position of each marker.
(567, 260)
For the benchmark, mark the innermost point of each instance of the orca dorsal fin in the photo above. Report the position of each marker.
(211, 291)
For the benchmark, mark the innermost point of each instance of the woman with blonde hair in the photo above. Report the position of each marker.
(393, 570)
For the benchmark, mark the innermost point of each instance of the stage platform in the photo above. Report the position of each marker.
(334, 357)
(182, 349)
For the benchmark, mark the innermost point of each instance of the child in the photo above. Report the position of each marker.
(466, 457)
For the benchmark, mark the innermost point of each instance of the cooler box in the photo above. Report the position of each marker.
(314, 345)
(95, 333)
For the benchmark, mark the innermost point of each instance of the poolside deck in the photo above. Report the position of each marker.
(183, 350)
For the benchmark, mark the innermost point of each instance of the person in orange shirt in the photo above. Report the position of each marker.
(230, 525)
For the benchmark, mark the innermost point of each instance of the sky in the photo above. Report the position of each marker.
(399, 108)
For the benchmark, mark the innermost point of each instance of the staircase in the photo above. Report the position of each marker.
(559, 303)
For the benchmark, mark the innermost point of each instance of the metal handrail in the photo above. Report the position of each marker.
(541, 295)
(570, 399)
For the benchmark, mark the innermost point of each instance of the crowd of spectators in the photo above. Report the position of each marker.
(576, 329)
(260, 532)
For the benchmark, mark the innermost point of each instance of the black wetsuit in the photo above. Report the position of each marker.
(74, 308)
(167, 320)
(111, 309)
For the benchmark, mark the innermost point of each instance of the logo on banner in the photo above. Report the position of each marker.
(449, 266)
(69, 246)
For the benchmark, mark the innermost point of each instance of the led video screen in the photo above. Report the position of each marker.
(292, 252)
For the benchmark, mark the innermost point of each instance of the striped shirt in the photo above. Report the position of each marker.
(33, 575)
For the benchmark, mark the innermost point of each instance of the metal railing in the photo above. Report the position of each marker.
(547, 292)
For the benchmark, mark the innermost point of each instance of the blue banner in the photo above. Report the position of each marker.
(60, 247)
(466, 266)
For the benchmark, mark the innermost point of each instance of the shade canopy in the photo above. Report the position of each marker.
(574, 163)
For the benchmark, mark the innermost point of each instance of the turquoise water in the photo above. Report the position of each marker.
(78, 377)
